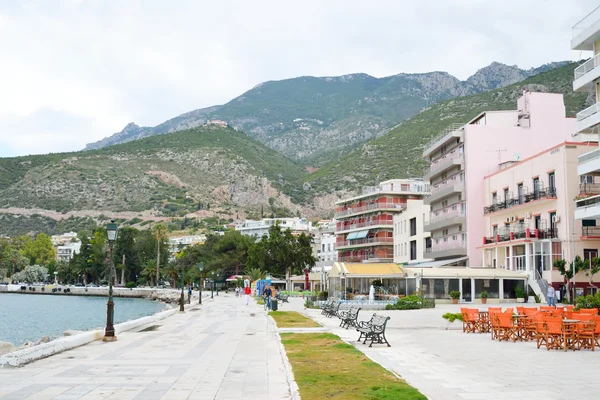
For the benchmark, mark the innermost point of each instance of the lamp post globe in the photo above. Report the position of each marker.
(112, 231)
(201, 269)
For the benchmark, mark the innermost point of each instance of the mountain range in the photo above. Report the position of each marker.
(315, 119)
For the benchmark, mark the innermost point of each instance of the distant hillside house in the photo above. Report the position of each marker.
(63, 238)
(261, 228)
(217, 122)
(67, 251)
(178, 243)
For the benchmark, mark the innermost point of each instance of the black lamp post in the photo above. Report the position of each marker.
(200, 268)
(181, 309)
(109, 333)
(212, 283)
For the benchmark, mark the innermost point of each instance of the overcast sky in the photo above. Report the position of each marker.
(75, 71)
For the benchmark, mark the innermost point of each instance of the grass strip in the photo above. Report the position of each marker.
(327, 368)
(292, 319)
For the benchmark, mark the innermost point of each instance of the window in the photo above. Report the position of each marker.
(460, 228)
(494, 197)
(323, 247)
(589, 254)
(444, 232)
(551, 180)
(328, 246)
(552, 216)
(427, 243)
(445, 203)
(520, 193)
(536, 188)
(586, 179)
(494, 230)
(506, 196)
(413, 226)
(413, 250)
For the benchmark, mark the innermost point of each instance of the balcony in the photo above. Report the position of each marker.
(590, 231)
(371, 207)
(588, 119)
(519, 233)
(439, 165)
(586, 31)
(500, 205)
(453, 131)
(454, 214)
(366, 257)
(447, 246)
(342, 228)
(365, 242)
(586, 74)
(588, 208)
(445, 188)
(589, 163)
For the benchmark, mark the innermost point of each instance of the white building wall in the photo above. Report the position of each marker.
(420, 212)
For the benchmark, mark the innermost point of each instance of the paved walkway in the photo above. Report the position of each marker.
(449, 364)
(221, 350)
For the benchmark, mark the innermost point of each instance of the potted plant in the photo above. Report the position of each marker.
(520, 293)
(455, 294)
(484, 296)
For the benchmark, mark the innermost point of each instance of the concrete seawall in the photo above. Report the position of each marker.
(30, 354)
(85, 291)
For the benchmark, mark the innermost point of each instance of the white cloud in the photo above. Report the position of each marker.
(76, 71)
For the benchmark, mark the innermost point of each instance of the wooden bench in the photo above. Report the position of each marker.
(349, 317)
(374, 329)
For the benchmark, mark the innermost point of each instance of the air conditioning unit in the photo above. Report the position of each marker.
(555, 218)
(528, 215)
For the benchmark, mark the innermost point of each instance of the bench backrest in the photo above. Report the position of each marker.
(379, 320)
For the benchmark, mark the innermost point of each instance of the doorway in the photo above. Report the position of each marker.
(466, 290)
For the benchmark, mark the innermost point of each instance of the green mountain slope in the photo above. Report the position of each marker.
(397, 154)
(166, 174)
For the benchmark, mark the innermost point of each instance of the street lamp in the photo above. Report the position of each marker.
(109, 333)
(212, 283)
(200, 268)
(181, 309)
(56, 277)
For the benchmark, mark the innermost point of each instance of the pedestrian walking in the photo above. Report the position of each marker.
(551, 293)
(247, 292)
(190, 294)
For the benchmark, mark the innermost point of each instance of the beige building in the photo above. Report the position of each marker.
(528, 216)
(410, 237)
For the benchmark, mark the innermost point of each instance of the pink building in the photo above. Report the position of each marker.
(464, 154)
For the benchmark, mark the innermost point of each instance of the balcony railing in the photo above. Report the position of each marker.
(359, 242)
(371, 207)
(589, 188)
(451, 180)
(518, 233)
(445, 160)
(364, 224)
(363, 257)
(454, 210)
(586, 22)
(446, 132)
(587, 66)
(413, 187)
(448, 242)
(589, 156)
(588, 202)
(588, 112)
(542, 193)
(590, 231)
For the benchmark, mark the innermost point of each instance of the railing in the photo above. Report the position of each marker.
(446, 132)
(588, 112)
(413, 187)
(589, 188)
(508, 234)
(444, 160)
(542, 193)
(363, 257)
(590, 231)
(454, 210)
(451, 180)
(588, 202)
(586, 22)
(364, 224)
(592, 155)
(447, 243)
(364, 241)
(542, 284)
(371, 207)
(587, 66)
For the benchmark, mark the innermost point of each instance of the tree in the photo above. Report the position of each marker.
(578, 264)
(39, 251)
(160, 232)
(126, 253)
(255, 274)
(31, 274)
(594, 268)
(12, 260)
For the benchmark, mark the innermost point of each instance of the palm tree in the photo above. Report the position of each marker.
(255, 274)
(159, 233)
(148, 271)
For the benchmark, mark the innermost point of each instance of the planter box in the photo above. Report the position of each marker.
(520, 300)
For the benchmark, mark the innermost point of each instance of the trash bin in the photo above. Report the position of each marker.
(273, 304)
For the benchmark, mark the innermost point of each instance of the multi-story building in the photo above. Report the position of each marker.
(410, 237)
(463, 154)
(66, 251)
(364, 231)
(261, 228)
(324, 243)
(177, 243)
(58, 240)
(528, 217)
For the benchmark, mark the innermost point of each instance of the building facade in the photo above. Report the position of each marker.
(410, 237)
(462, 155)
(261, 228)
(528, 216)
(364, 231)
(324, 243)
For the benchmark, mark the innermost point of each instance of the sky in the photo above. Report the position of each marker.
(75, 71)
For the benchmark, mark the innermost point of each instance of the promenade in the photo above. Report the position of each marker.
(220, 350)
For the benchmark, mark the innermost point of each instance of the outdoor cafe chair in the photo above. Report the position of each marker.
(593, 311)
(568, 308)
(586, 335)
(471, 321)
(507, 330)
(547, 308)
(520, 310)
(508, 311)
(559, 335)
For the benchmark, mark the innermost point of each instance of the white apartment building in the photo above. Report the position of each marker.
(324, 243)
(175, 243)
(410, 237)
(261, 228)
(63, 238)
(67, 251)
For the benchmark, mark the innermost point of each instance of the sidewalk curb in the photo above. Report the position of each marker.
(289, 373)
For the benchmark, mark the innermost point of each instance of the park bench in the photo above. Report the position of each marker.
(333, 310)
(326, 306)
(349, 317)
(282, 297)
(374, 329)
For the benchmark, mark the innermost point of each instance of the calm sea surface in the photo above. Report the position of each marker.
(29, 317)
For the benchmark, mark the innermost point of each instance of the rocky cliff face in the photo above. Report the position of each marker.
(310, 118)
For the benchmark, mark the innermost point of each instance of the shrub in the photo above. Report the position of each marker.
(537, 298)
(130, 285)
(484, 294)
(455, 294)
(308, 303)
(412, 302)
(323, 295)
(451, 317)
(590, 301)
(519, 292)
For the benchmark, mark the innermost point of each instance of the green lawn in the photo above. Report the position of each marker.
(327, 368)
(292, 319)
